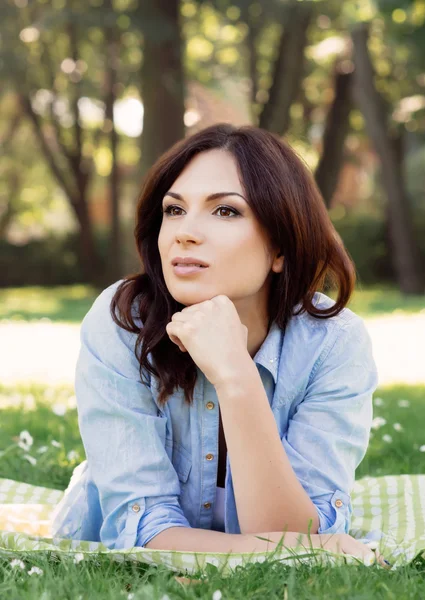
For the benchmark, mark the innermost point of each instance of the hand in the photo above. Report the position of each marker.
(343, 543)
(338, 543)
(212, 333)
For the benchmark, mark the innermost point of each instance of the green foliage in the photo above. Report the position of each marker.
(364, 238)
(49, 261)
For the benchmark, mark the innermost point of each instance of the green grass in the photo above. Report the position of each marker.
(379, 300)
(71, 303)
(34, 407)
(59, 304)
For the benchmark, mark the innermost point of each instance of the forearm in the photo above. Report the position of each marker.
(269, 496)
(205, 540)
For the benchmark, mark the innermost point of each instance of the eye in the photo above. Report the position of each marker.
(167, 210)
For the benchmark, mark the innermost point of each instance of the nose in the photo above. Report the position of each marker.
(188, 231)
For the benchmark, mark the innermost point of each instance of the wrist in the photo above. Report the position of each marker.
(233, 376)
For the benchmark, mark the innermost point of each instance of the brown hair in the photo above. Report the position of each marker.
(284, 198)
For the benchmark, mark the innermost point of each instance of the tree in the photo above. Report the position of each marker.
(406, 258)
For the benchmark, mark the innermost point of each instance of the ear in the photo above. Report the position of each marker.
(277, 265)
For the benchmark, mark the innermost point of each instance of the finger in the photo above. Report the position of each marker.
(360, 551)
(383, 562)
(178, 343)
(174, 338)
(373, 545)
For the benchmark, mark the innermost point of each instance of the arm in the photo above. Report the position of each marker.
(204, 540)
(336, 418)
(310, 472)
(201, 540)
(123, 437)
(262, 473)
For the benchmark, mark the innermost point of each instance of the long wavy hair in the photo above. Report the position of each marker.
(285, 199)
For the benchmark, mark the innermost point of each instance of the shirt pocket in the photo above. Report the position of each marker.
(181, 459)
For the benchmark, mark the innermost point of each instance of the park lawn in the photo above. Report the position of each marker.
(71, 303)
(397, 446)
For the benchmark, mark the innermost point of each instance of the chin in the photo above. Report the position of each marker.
(192, 298)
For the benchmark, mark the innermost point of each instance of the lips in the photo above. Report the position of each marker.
(190, 265)
(189, 261)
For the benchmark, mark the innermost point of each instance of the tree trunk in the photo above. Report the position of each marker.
(288, 70)
(336, 129)
(163, 94)
(163, 83)
(76, 193)
(90, 260)
(405, 255)
(114, 262)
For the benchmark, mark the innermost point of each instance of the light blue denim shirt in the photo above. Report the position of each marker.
(146, 468)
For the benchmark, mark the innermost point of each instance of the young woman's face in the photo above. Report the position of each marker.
(222, 232)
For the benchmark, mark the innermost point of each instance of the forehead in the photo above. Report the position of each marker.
(211, 171)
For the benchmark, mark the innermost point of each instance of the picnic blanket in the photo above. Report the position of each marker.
(388, 513)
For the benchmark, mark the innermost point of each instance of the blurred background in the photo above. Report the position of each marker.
(94, 91)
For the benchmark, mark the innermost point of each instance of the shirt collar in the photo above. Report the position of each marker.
(269, 353)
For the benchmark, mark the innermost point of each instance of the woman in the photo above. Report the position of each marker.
(229, 399)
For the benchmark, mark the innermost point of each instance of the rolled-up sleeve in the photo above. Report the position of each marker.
(328, 436)
(123, 436)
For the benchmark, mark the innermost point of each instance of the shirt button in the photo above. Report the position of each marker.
(135, 507)
(210, 405)
(209, 456)
(207, 505)
(339, 503)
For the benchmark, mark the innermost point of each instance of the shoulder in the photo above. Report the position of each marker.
(99, 314)
(313, 340)
(330, 327)
(104, 338)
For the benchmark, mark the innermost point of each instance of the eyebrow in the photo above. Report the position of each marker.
(209, 198)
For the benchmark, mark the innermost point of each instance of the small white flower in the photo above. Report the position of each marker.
(398, 427)
(387, 438)
(78, 557)
(404, 403)
(130, 596)
(42, 449)
(56, 444)
(378, 422)
(72, 455)
(59, 409)
(217, 595)
(17, 563)
(165, 597)
(378, 402)
(30, 459)
(25, 440)
(35, 571)
(422, 448)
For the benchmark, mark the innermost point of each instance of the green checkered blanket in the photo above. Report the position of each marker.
(387, 510)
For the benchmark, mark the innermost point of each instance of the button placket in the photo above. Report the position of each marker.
(209, 406)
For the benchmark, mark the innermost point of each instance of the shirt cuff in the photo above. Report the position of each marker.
(335, 517)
